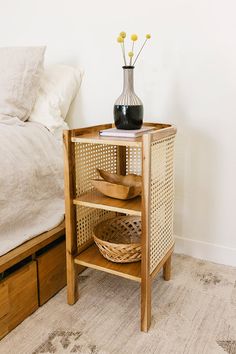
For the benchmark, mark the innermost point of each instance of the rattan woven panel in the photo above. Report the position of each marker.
(88, 157)
(87, 219)
(134, 160)
(162, 198)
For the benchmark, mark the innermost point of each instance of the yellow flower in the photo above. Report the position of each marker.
(120, 39)
(148, 36)
(131, 54)
(134, 37)
(122, 34)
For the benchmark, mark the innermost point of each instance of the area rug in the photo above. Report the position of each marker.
(194, 313)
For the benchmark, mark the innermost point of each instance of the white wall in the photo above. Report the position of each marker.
(186, 76)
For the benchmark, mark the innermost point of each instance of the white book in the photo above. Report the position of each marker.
(122, 133)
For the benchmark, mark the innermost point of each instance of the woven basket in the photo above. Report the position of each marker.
(119, 239)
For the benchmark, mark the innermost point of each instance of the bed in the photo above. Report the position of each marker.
(32, 247)
(34, 103)
(31, 183)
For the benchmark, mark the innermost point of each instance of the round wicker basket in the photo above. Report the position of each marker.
(119, 239)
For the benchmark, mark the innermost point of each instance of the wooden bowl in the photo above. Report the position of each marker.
(117, 191)
(128, 180)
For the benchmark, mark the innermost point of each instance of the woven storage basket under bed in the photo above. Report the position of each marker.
(119, 239)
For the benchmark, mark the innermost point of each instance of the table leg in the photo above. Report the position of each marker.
(167, 269)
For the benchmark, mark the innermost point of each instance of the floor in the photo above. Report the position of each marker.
(194, 313)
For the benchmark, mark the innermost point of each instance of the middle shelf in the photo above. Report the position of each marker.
(94, 199)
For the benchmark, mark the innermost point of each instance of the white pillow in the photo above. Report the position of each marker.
(20, 71)
(59, 85)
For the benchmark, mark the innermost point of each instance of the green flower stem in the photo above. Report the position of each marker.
(140, 51)
(124, 53)
(130, 62)
(122, 48)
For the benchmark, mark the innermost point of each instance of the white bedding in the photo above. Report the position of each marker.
(31, 182)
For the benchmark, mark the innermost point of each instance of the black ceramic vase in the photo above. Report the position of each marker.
(128, 108)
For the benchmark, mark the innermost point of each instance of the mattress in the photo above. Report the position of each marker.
(31, 183)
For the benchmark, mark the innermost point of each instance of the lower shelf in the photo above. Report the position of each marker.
(92, 258)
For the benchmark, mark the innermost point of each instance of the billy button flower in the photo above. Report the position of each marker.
(120, 39)
(130, 54)
(134, 38)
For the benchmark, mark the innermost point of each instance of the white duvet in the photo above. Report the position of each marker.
(31, 182)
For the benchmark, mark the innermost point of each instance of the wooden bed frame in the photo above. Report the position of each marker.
(30, 274)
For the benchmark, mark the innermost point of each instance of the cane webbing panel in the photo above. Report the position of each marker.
(88, 157)
(87, 219)
(161, 199)
(133, 160)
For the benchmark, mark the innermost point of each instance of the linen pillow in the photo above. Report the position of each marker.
(20, 70)
(59, 85)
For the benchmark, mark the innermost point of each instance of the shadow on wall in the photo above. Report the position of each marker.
(76, 113)
(201, 199)
(197, 169)
(75, 116)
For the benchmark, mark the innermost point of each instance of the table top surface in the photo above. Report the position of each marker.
(91, 135)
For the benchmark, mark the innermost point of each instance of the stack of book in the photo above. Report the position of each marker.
(125, 133)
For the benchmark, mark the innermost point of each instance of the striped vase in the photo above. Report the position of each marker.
(128, 108)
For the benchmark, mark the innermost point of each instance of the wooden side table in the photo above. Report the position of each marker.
(150, 155)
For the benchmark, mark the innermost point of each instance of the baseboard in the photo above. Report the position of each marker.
(206, 251)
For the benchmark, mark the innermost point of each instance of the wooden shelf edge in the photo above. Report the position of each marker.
(92, 258)
(107, 270)
(96, 200)
(106, 207)
(31, 246)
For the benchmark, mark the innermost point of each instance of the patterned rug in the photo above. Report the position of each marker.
(194, 313)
